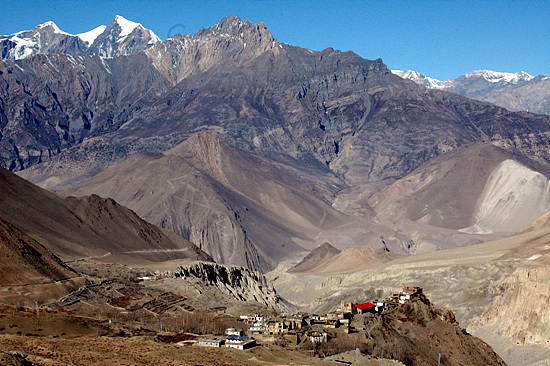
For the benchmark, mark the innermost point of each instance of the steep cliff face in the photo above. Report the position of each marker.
(237, 282)
(521, 314)
(517, 322)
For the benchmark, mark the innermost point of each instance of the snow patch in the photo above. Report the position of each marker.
(154, 38)
(105, 65)
(90, 36)
(19, 67)
(24, 47)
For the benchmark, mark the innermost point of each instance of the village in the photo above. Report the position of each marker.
(304, 329)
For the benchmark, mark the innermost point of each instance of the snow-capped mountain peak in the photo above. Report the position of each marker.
(513, 91)
(120, 37)
(419, 78)
(128, 26)
(51, 24)
(30, 42)
(498, 77)
(90, 36)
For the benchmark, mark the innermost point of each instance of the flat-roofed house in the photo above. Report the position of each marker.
(210, 342)
(240, 342)
(366, 307)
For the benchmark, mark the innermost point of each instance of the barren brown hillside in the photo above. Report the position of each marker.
(73, 228)
(24, 261)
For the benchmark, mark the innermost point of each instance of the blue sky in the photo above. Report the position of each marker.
(442, 39)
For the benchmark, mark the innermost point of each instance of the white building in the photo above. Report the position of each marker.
(317, 337)
(210, 342)
(233, 332)
(240, 342)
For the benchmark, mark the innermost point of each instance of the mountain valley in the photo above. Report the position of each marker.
(171, 186)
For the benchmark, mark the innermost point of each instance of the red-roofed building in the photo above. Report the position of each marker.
(365, 308)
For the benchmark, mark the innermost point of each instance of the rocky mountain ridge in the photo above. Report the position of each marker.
(346, 123)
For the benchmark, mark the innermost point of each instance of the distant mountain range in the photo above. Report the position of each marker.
(514, 91)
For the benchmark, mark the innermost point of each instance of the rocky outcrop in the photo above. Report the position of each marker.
(417, 333)
(237, 282)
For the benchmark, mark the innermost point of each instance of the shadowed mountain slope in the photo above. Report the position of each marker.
(74, 228)
(24, 261)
